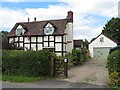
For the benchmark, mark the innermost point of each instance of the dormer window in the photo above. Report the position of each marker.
(49, 29)
(20, 31)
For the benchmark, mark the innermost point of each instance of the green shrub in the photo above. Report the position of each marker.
(70, 60)
(26, 63)
(76, 56)
(113, 64)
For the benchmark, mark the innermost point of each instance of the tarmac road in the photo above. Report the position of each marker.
(52, 84)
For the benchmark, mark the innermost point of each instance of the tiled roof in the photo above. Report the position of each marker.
(78, 43)
(37, 27)
(111, 38)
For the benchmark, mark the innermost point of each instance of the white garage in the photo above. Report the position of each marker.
(100, 52)
(100, 46)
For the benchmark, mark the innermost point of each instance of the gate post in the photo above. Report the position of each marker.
(66, 68)
(52, 66)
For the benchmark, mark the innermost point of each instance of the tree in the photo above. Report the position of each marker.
(4, 40)
(112, 28)
(85, 44)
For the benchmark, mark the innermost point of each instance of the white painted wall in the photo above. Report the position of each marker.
(39, 39)
(21, 38)
(69, 31)
(21, 44)
(39, 46)
(33, 39)
(51, 44)
(64, 47)
(51, 38)
(26, 40)
(58, 39)
(96, 43)
(45, 44)
(10, 40)
(27, 45)
(65, 38)
(33, 47)
(45, 38)
(16, 39)
(58, 47)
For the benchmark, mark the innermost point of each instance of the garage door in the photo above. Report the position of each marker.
(101, 52)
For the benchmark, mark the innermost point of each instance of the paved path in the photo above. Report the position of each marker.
(93, 72)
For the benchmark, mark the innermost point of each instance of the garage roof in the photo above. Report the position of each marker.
(111, 38)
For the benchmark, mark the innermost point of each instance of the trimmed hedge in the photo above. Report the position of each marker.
(113, 64)
(25, 63)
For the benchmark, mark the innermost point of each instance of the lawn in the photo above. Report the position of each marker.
(21, 78)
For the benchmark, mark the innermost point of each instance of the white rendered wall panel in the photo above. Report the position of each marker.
(51, 38)
(26, 46)
(26, 40)
(39, 46)
(58, 39)
(33, 39)
(45, 38)
(51, 44)
(58, 47)
(33, 47)
(21, 44)
(45, 44)
(40, 39)
(16, 39)
(10, 40)
(21, 38)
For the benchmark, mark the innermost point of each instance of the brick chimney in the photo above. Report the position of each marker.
(28, 19)
(70, 16)
(35, 19)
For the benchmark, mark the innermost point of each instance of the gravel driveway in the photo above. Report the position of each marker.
(93, 72)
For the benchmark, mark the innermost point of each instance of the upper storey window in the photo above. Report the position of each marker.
(49, 29)
(20, 31)
(101, 39)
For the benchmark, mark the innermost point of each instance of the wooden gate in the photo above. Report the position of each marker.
(59, 67)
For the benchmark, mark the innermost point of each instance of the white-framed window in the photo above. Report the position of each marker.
(101, 39)
(20, 31)
(49, 29)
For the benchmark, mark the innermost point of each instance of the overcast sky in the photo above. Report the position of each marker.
(90, 16)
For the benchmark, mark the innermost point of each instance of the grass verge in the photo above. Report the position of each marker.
(21, 78)
(115, 87)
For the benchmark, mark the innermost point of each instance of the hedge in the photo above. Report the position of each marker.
(113, 64)
(25, 63)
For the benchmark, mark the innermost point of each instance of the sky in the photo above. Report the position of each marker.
(90, 16)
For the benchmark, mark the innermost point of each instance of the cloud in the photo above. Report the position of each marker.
(89, 16)
(9, 17)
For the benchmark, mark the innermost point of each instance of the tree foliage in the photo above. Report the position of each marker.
(112, 28)
(85, 44)
(4, 40)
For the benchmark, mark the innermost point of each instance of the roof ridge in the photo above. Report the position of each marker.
(43, 21)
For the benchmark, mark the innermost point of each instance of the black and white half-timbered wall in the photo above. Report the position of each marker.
(49, 34)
